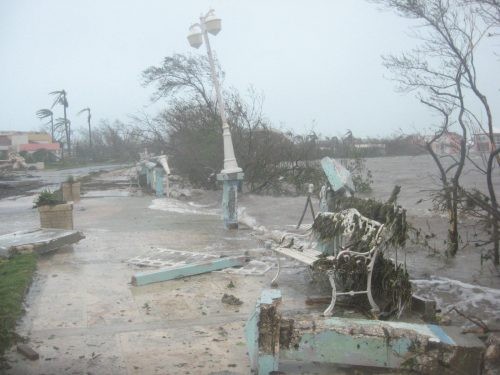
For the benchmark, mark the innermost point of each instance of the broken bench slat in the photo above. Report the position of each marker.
(28, 352)
(37, 240)
(171, 273)
(307, 258)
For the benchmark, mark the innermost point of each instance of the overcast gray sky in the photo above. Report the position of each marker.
(316, 62)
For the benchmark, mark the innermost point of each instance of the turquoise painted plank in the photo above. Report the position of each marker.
(171, 273)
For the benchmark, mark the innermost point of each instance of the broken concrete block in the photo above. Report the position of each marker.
(37, 240)
(27, 351)
(423, 348)
(424, 306)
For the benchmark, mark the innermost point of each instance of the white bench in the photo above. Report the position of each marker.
(352, 221)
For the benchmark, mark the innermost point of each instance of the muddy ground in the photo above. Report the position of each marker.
(84, 316)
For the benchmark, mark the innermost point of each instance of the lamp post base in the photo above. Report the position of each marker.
(230, 198)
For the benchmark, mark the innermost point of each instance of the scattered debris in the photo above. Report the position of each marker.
(230, 285)
(147, 308)
(28, 352)
(483, 328)
(251, 268)
(229, 299)
(153, 174)
(14, 162)
(423, 348)
(38, 240)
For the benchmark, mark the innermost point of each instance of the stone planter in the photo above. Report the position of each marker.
(71, 191)
(58, 216)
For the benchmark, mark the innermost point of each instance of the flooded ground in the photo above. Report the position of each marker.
(15, 183)
(83, 316)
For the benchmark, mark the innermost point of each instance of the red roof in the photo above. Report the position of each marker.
(39, 146)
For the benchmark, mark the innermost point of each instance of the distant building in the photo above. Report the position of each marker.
(482, 141)
(29, 142)
(371, 149)
(448, 144)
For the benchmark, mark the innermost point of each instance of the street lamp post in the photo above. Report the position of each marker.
(231, 174)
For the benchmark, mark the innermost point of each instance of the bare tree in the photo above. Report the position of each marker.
(190, 130)
(489, 10)
(182, 74)
(442, 68)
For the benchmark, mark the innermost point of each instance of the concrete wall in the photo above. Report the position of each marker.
(18, 139)
(39, 137)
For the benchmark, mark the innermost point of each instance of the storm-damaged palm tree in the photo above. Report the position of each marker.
(46, 113)
(61, 98)
(88, 122)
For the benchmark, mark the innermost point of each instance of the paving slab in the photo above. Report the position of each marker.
(37, 240)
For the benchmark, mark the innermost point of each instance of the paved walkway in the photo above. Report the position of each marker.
(83, 316)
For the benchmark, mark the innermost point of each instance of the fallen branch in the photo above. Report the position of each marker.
(474, 319)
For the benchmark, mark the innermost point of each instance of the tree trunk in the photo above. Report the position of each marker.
(52, 127)
(494, 205)
(453, 236)
(66, 128)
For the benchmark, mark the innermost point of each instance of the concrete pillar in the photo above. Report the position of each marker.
(230, 198)
(159, 174)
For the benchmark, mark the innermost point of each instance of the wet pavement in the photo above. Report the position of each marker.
(84, 316)
(15, 183)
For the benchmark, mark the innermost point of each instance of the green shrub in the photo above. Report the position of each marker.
(48, 198)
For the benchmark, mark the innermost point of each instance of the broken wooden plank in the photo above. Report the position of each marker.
(307, 258)
(37, 240)
(28, 352)
(171, 273)
(318, 300)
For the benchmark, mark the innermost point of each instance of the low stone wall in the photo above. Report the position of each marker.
(58, 216)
